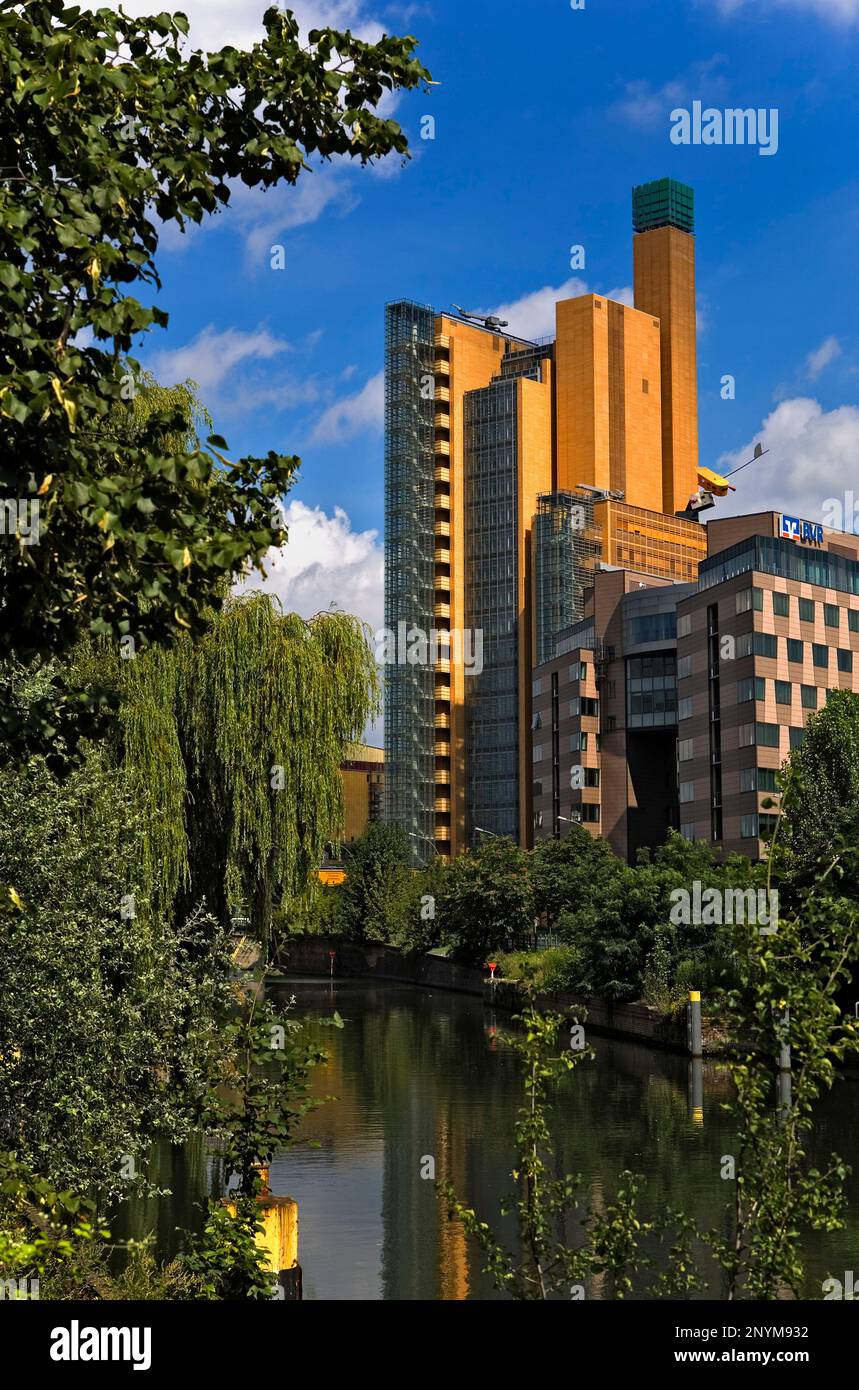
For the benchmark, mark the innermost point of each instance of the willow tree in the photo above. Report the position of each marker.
(232, 743)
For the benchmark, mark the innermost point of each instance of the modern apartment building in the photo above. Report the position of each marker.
(673, 704)
(480, 425)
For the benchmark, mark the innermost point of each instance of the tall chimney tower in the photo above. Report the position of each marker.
(663, 220)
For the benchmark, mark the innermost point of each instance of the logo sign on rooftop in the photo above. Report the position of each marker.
(794, 528)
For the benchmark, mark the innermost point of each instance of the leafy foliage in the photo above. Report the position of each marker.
(232, 745)
(106, 1009)
(820, 801)
(40, 1226)
(484, 897)
(786, 996)
(374, 901)
(253, 1110)
(107, 130)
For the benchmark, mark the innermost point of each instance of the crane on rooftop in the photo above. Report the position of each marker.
(488, 320)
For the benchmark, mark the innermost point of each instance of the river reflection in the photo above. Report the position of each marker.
(420, 1074)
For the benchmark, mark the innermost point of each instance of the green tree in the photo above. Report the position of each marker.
(252, 1109)
(786, 996)
(232, 744)
(571, 874)
(108, 1011)
(107, 130)
(821, 789)
(376, 898)
(485, 896)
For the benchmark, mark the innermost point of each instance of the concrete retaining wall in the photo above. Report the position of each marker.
(312, 955)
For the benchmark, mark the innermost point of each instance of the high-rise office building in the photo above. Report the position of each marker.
(479, 426)
(675, 705)
(664, 286)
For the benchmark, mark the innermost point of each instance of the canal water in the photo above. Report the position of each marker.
(417, 1074)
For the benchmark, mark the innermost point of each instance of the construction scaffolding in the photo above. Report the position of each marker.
(409, 570)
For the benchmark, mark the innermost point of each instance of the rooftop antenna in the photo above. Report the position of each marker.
(488, 320)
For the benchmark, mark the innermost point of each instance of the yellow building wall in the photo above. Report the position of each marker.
(639, 407)
(534, 467)
(357, 788)
(582, 387)
(664, 281)
(475, 357)
(608, 399)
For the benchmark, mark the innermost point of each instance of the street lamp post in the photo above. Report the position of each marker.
(413, 835)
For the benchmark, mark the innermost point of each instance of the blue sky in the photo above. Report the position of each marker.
(545, 118)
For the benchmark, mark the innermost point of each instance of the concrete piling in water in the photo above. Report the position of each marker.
(279, 1239)
(694, 1023)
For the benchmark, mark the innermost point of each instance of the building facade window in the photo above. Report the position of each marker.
(685, 749)
(806, 610)
(686, 792)
(783, 692)
(766, 735)
(749, 826)
(820, 655)
(796, 737)
(831, 615)
(795, 650)
(845, 659)
(750, 598)
(684, 624)
(853, 619)
(684, 707)
(781, 605)
(766, 644)
(809, 696)
(748, 779)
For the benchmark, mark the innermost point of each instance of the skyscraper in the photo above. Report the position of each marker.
(479, 426)
(664, 285)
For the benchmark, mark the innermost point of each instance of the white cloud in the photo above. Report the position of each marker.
(845, 12)
(533, 315)
(325, 562)
(817, 361)
(236, 371)
(813, 456)
(212, 356)
(352, 414)
(644, 104)
(264, 216)
(624, 295)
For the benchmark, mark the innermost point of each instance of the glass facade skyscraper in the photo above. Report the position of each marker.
(409, 565)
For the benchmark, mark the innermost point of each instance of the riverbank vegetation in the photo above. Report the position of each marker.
(171, 750)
